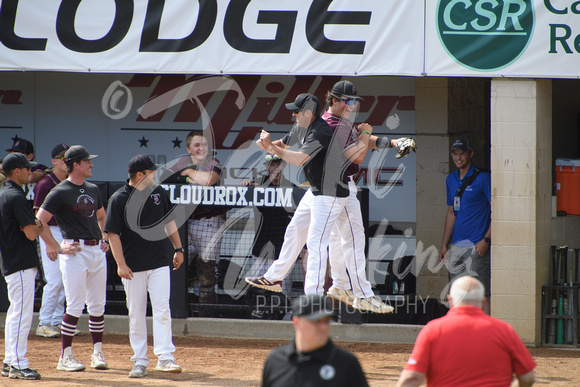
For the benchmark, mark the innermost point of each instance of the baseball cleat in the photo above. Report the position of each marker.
(70, 364)
(98, 361)
(138, 371)
(343, 295)
(168, 366)
(25, 373)
(5, 369)
(47, 331)
(372, 304)
(263, 283)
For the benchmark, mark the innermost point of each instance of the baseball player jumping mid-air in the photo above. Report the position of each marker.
(347, 242)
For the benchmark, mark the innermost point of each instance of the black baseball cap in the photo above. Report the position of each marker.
(344, 89)
(141, 163)
(305, 101)
(59, 150)
(461, 144)
(313, 307)
(16, 160)
(21, 145)
(77, 153)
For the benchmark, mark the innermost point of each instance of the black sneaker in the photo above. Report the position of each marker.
(263, 283)
(26, 373)
(5, 369)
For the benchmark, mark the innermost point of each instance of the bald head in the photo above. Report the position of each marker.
(467, 291)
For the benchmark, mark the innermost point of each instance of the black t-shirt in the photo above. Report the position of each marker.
(18, 252)
(325, 167)
(75, 209)
(145, 243)
(327, 366)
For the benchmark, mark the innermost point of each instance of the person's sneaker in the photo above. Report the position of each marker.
(342, 295)
(26, 373)
(372, 304)
(98, 361)
(263, 283)
(168, 366)
(5, 369)
(69, 364)
(47, 331)
(138, 371)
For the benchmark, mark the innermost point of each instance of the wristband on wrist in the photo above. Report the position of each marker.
(365, 131)
(39, 221)
(179, 250)
(187, 179)
(383, 142)
(60, 250)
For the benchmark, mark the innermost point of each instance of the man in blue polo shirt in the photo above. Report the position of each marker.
(467, 234)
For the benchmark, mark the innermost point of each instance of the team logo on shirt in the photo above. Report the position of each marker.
(85, 205)
(156, 199)
(327, 372)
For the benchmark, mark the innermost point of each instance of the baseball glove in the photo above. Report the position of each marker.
(404, 146)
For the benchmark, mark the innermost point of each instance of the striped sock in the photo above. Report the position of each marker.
(96, 327)
(68, 327)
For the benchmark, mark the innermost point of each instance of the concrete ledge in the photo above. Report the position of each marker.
(257, 329)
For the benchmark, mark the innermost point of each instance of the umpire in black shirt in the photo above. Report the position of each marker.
(312, 359)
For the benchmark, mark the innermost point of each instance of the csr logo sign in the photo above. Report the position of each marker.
(485, 35)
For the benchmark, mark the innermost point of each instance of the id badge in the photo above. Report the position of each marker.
(456, 203)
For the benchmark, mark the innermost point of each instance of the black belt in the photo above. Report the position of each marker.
(88, 242)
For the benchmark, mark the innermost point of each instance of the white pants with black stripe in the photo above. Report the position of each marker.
(347, 249)
(156, 282)
(20, 287)
(311, 224)
(294, 240)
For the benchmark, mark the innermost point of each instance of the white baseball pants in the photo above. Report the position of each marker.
(20, 287)
(347, 249)
(52, 308)
(84, 276)
(157, 283)
(294, 240)
(324, 213)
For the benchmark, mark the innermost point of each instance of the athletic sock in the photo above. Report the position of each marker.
(68, 327)
(96, 327)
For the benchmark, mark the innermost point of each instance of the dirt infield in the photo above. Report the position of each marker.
(228, 362)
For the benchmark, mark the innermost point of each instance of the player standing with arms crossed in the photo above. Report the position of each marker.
(143, 258)
(18, 232)
(78, 208)
(206, 223)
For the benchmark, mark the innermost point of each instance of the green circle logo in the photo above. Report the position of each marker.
(485, 35)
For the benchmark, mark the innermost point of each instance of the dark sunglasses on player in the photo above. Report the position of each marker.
(349, 101)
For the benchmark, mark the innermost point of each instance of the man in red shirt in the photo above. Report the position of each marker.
(467, 347)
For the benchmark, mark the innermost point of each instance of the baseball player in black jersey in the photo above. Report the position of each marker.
(18, 232)
(322, 203)
(144, 253)
(78, 208)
